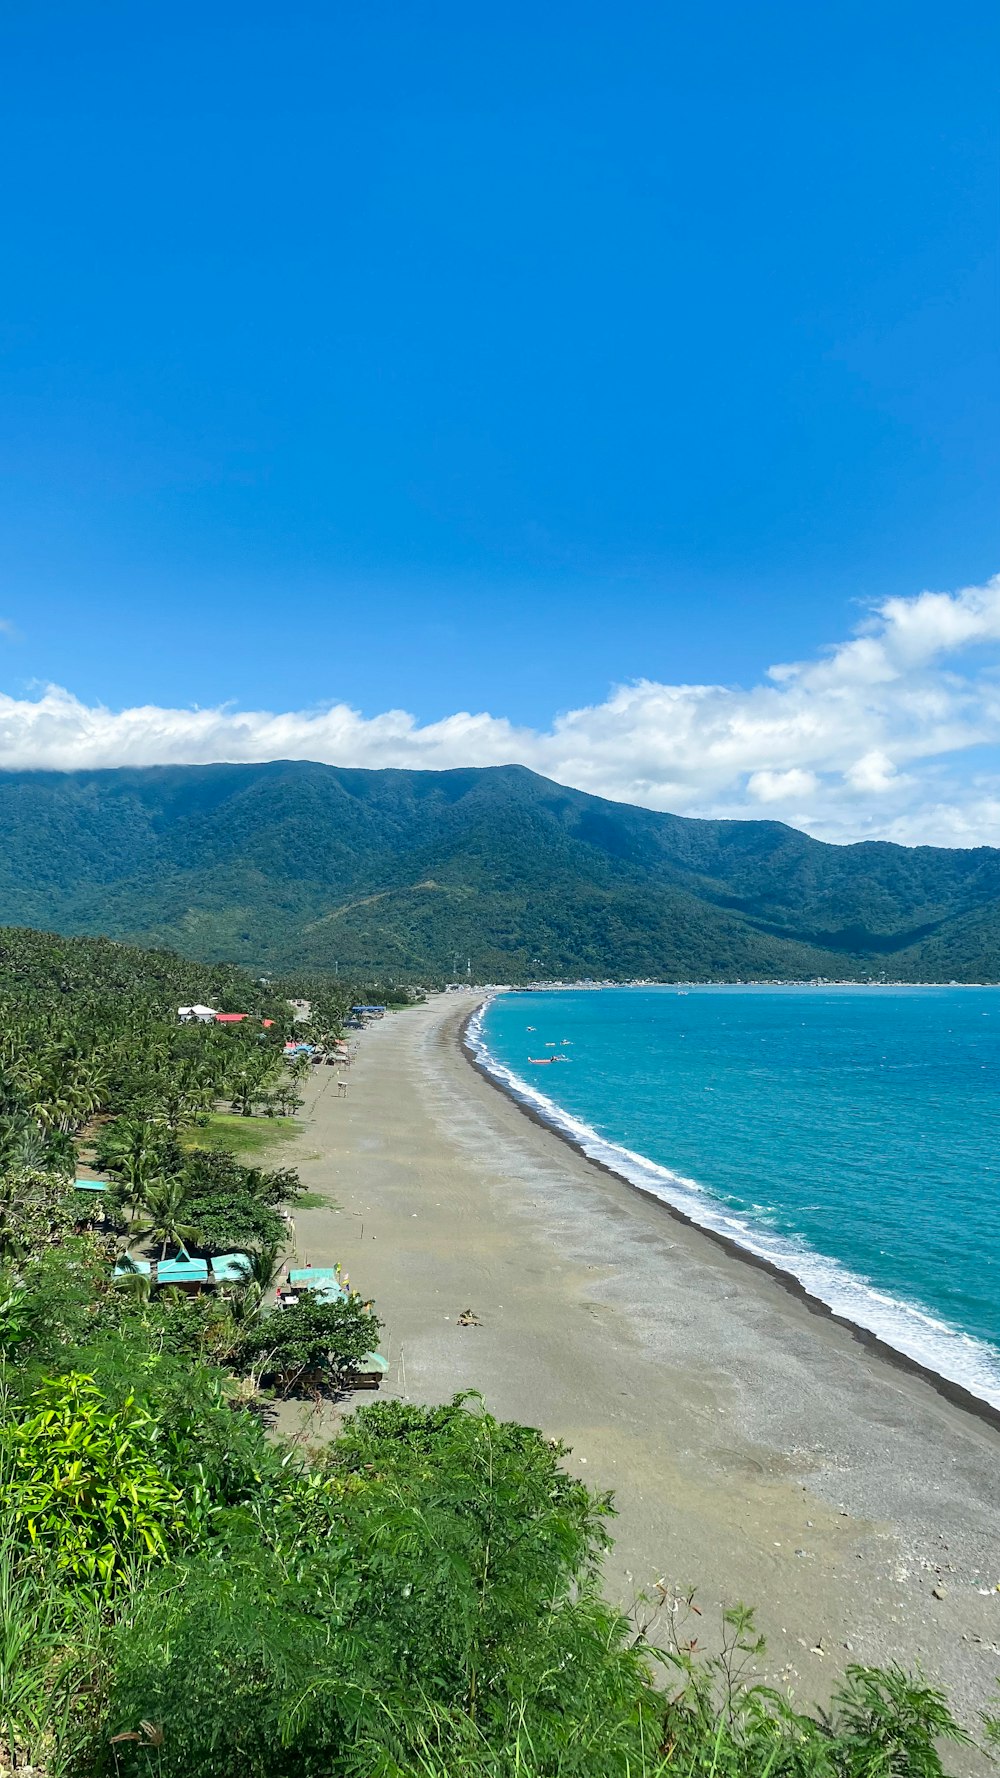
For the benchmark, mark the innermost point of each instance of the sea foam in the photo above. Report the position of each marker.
(908, 1329)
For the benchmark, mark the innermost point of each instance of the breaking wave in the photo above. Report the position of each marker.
(934, 1344)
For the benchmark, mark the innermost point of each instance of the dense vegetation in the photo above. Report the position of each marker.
(184, 1595)
(417, 874)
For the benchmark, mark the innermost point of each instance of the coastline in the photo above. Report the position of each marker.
(952, 1391)
(756, 1451)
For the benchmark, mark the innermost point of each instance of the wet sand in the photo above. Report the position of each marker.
(757, 1451)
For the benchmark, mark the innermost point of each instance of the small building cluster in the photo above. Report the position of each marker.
(185, 1273)
(207, 1015)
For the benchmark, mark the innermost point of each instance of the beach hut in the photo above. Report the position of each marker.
(330, 1293)
(369, 1373)
(230, 1268)
(321, 1280)
(315, 1278)
(127, 1267)
(90, 1185)
(184, 1272)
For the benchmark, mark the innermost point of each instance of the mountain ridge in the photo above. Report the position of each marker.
(293, 863)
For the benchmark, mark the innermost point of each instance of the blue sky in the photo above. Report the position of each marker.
(454, 360)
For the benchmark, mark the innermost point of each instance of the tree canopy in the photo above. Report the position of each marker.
(396, 875)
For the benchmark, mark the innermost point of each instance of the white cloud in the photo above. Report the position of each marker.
(782, 787)
(873, 738)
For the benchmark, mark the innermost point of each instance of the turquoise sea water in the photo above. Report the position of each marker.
(847, 1134)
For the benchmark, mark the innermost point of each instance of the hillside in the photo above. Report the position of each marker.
(292, 864)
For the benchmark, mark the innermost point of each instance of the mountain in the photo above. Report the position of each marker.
(293, 864)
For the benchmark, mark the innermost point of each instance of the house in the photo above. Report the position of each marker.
(187, 1273)
(196, 1015)
(230, 1268)
(322, 1280)
(369, 1373)
(230, 1018)
(127, 1267)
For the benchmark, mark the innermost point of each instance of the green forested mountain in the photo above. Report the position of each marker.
(297, 865)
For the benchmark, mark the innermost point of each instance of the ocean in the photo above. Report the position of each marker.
(847, 1135)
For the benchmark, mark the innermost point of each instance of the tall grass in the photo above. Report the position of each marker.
(50, 1650)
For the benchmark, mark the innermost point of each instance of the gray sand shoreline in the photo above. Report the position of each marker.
(756, 1450)
(945, 1386)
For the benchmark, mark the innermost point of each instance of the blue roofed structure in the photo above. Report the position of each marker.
(128, 1267)
(309, 1276)
(322, 1280)
(183, 1270)
(230, 1268)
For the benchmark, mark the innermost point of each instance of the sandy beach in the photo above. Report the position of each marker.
(757, 1451)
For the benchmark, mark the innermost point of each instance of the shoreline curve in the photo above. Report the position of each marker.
(951, 1391)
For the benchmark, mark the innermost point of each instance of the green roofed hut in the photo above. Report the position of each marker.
(184, 1272)
(322, 1280)
(230, 1268)
(90, 1185)
(370, 1372)
(128, 1267)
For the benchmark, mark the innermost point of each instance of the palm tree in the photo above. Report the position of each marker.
(244, 1306)
(138, 1285)
(249, 1083)
(165, 1201)
(130, 1147)
(264, 1267)
(261, 1271)
(23, 1148)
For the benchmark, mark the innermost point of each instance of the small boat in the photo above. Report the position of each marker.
(541, 1061)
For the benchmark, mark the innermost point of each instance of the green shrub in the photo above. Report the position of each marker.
(311, 1345)
(444, 1598)
(87, 1484)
